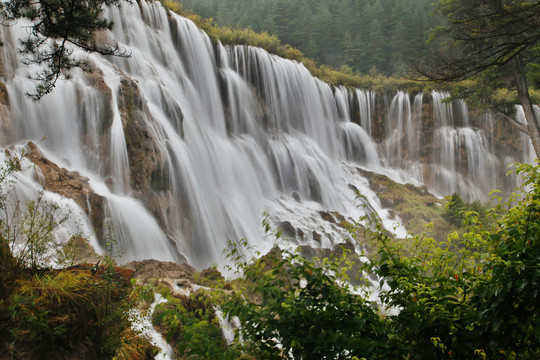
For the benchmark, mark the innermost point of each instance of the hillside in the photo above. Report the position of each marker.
(365, 36)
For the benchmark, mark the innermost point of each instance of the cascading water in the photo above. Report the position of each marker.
(190, 142)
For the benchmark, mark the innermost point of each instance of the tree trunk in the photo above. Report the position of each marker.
(533, 122)
(8, 269)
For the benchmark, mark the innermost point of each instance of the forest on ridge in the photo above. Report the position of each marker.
(360, 35)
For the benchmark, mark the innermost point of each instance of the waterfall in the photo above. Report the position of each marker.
(190, 141)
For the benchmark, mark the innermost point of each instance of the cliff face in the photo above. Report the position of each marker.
(445, 140)
(187, 143)
(69, 184)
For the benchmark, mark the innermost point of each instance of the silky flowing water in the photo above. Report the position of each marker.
(238, 132)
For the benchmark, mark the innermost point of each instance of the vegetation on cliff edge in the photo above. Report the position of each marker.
(75, 312)
(271, 43)
(471, 296)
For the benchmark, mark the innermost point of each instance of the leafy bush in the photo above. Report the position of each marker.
(62, 311)
(457, 211)
(26, 230)
(302, 310)
(192, 328)
(78, 312)
(473, 296)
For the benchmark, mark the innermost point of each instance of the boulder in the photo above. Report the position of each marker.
(155, 269)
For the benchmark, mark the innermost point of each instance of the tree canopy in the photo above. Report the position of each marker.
(490, 39)
(57, 28)
(485, 34)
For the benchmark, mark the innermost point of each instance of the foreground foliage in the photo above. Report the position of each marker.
(76, 312)
(298, 309)
(473, 296)
(51, 314)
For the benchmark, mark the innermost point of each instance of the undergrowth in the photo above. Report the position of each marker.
(76, 312)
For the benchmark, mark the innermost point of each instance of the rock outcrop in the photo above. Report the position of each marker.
(148, 170)
(69, 184)
(154, 269)
(144, 156)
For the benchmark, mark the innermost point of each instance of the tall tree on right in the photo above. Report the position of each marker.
(489, 39)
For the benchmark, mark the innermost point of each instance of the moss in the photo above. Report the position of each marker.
(419, 210)
(73, 313)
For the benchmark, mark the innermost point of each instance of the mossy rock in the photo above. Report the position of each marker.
(415, 206)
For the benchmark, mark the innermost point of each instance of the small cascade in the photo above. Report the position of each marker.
(465, 161)
(524, 142)
(189, 141)
(398, 130)
(22, 188)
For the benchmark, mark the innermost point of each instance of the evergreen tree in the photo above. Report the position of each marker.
(375, 46)
(57, 25)
(319, 27)
(399, 44)
(493, 40)
(285, 20)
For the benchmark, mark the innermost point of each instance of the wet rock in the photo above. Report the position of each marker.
(5, 123)
(354, 188)
(155, 269)
(70, 185)
(314, 187)
(327, 216)
(95, 136)
(287, 229)
(143, 153)
(149, 175)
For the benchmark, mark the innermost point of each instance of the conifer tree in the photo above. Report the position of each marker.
(493, 40)
(57, 27)
(375, 45)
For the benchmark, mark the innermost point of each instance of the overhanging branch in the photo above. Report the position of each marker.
(516, 124)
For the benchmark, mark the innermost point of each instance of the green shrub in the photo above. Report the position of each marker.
(456, 211)
(472, 296)
(61, 311)
(192, 328)
(304, 311)
(79, 312)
